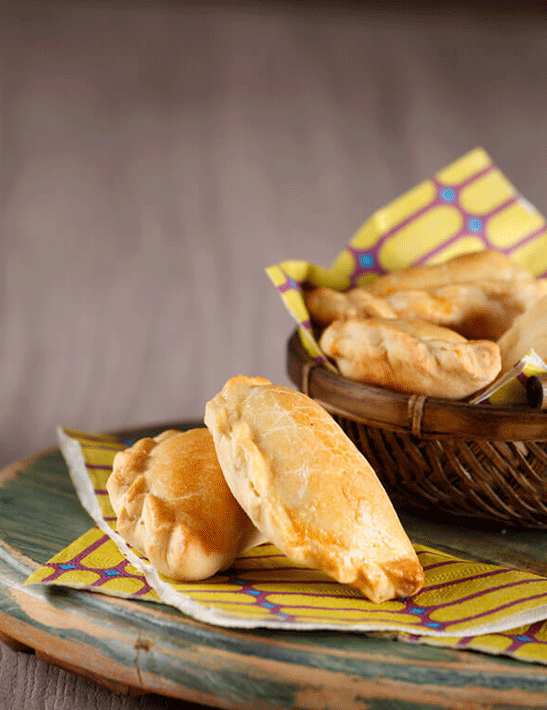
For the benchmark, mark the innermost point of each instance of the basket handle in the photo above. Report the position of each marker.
(416, 405)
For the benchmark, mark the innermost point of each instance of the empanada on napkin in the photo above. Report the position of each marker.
(478, 310)
(476, 267)
(308, 489)
(173, 505)
(326, 305)
(486, 309)
(447, 305)
(411, 356)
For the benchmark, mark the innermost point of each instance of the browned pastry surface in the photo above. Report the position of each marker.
(529, 331)
(308, 489)
(326, 305)
(411, 356)
(466, 268)
(173, 505)
(478, 309)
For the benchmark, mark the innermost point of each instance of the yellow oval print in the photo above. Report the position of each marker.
(486, 193)
(533, 254)
(513, 224)
(420, 236)
(465, 167)
(396, 212)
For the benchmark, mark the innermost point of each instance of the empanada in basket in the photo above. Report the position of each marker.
(411, 356)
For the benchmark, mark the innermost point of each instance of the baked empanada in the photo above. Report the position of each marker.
(308, 489)
(411, 356)
(529, 330)
(481, 310)
(326, 305)
(173, 505)
(475, 267)
(478, 310)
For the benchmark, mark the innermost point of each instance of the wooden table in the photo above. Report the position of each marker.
(138, 647)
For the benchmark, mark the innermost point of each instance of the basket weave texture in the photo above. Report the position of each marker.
(475, 461)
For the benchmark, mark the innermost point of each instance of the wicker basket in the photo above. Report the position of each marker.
(467, 460)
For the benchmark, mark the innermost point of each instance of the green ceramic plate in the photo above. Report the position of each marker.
(138, 647)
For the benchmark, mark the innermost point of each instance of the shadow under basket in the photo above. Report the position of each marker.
(475, 461)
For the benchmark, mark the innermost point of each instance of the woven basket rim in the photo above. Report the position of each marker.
(426, 417)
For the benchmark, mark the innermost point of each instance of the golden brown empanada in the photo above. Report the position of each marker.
(475, 267)
(529, 330)
(411, 356)
(173, 505)
(477, 310)
(488, 308)
(326, 305)
(308, 489)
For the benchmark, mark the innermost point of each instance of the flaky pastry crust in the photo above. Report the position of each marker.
(173, 505)
(476, 267)
(478, 310)
(411, 356)
(528, 331)
(308, 489)
(325, 305)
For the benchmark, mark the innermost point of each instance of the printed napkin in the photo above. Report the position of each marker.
(512, 386)
(463, 604)
(467, 206)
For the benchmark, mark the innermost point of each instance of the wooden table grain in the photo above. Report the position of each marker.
(133, 648)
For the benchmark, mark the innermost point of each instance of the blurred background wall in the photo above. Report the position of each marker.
(156, 157)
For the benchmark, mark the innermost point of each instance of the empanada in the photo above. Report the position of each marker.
(411, 356)
(326, 305)
(416, 304)
(308, 489)
(173, 505)
(435, 306)
(488, 308)
(529, 330)
(465, 268)
(478, 310)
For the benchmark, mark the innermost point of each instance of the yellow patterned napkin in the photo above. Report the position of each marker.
(467, 206)
(463, 604)
(511, 387)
